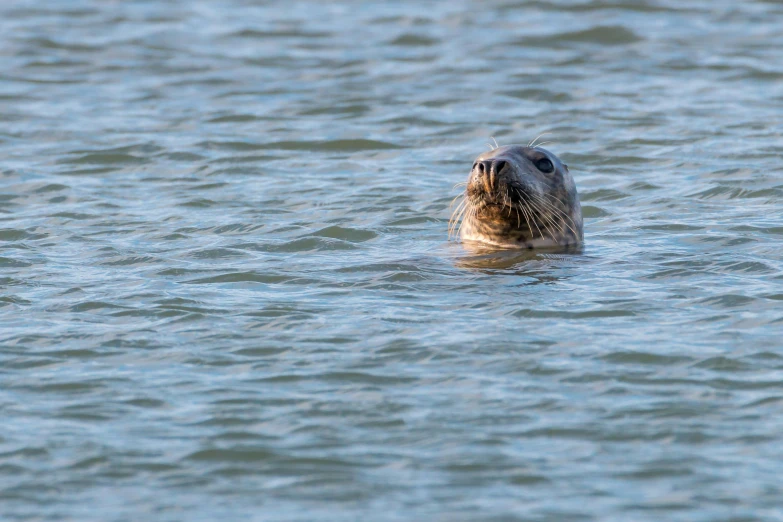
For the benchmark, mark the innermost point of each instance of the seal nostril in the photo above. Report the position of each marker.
(481, 167)
(474, 166)
(499, 166)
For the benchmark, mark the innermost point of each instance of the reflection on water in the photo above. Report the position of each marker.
(485, 256)
(228, 291)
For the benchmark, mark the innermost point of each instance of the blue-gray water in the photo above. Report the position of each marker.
(228, 294)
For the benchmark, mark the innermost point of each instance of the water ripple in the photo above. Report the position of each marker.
(228, 291)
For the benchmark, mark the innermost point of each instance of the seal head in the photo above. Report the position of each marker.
(520, 197)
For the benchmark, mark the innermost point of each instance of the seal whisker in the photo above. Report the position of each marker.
(457, 213)
(549, 223)
(523, 210)
(460, 226)
(532, 143)
(529, 213)
(561, 213)
(541, 207)
(496, 142)
(532, 215)
(536, 210)
(467, 210)
(527, 221)
(456, 216)
(470, 216)
(461, 213)
(567, 217)
(452, 228)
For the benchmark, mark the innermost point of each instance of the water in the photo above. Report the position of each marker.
(228, 293)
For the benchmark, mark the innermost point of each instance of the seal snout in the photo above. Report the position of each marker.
(488, 172)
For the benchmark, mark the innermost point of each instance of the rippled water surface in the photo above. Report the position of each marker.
(228, 292)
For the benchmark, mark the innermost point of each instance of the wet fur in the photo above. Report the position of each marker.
(519, 206)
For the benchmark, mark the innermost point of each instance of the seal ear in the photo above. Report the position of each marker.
(566, 167)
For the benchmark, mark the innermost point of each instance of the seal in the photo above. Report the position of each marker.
(519, 197)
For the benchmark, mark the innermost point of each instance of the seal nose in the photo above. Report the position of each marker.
(488, 172)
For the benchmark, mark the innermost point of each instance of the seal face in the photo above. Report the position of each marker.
(520, 197)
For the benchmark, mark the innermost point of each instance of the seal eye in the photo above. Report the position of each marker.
(544, 165)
